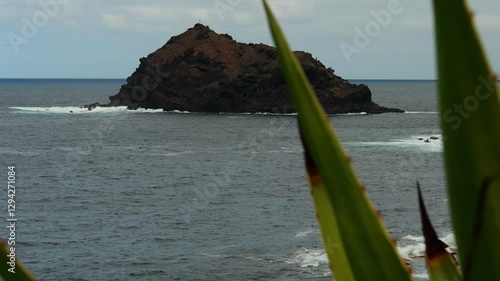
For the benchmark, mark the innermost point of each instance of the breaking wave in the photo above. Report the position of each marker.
(410, 247)
(421, 112)
(413, 142)
(115, 109)
(79, 110)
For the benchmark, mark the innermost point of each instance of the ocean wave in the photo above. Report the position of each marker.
(177, 153)
(421, 112)
(421, 275)
(274, 114)
(289, 114)
(179, 111)
(80, 110)
(18, 153)
(349, 114)
(412, 250)
(115, 109)
(411, 247)
(305, 233)
(414, 238)
(280, 151)
(308, 258)
(412, 142)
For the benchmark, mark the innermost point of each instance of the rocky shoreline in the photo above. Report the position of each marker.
(202, 71)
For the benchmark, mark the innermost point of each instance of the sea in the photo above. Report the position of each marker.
(113, 194)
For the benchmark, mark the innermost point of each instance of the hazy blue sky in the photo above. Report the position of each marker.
(105, 39)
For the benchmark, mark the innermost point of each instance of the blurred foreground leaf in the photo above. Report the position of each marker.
(440, 263)
(20, 272)
(366, 246)
(470, 119)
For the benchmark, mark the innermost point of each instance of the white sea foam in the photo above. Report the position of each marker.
(414, 238)
(295, 113)
(177, 153)
(410, 247)
(143, 110)
(284, 150)
(413, 246)
(308, 258)
(450, 240)
(80, 110)
(421, 112)
(412, 250)
(113, 109)
(349, 114)
(273, 114)
(179, 111)
(422, 275)
(305, 233)
(407, 143)
(291, 150)
(171, 154)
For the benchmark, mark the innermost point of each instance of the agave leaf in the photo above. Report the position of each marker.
(328, 224)
(21, 273)
(369, 250)
(440, 264)
(470, 119)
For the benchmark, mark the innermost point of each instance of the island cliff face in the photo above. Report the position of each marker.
(202, 71)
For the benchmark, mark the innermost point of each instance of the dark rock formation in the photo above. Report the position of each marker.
(91, 106)
(202, 71)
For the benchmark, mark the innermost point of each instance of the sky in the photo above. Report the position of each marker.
(360, 39)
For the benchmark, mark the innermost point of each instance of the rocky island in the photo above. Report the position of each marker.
(203, 71)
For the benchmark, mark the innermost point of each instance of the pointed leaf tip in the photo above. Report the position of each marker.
(441, 264)
(434, 246)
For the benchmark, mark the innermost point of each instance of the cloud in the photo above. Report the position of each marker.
(293, 10)
(151, 18)
(422, 23)
(72, 23)
(488, 22)
(151, 13)
(317, 26)
(73, 8)
(117, 22)
(6, 11)
(201, 14)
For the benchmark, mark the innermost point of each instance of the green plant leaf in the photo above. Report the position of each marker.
(369, 249)
(327, 223)
(440, 264)
(470, 119)
(20, 272)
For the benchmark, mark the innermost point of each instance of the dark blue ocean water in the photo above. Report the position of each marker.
(112, 194)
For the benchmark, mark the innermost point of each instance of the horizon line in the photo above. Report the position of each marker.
(372, 79)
